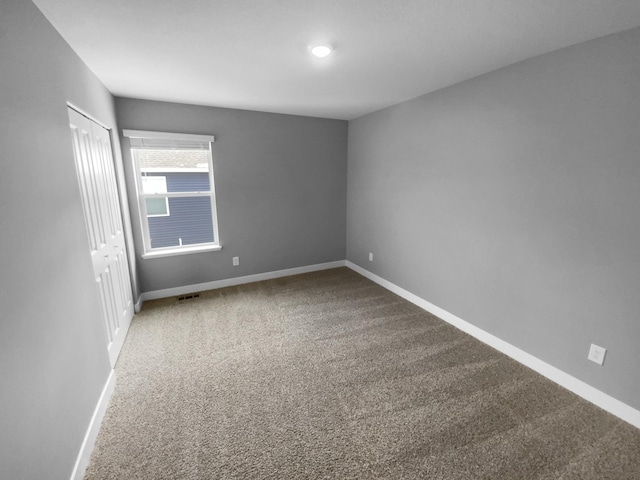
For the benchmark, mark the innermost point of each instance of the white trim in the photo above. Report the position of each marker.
(167, 136)
(174, 170)
(90, 117)
(173, 251)
(82, 462)
(138, 305)
(589, 393)
(229, 282)
(214, 204)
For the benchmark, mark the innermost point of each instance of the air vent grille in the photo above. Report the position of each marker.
(191, 296)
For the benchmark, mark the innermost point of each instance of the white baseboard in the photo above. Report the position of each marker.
(584, 390)
(138, 305)
(82, 462)
(229, 282)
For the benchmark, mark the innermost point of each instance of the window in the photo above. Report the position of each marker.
(176, 194)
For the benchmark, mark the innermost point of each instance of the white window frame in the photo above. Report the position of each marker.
(175, 140)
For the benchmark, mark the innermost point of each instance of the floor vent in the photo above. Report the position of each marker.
(191, 296)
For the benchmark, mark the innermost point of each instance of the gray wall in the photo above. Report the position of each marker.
(53, 358)
(513, 201)
(280, 190)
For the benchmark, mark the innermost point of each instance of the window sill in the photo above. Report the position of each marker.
(171, 252)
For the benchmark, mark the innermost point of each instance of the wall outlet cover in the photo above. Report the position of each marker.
(596, 354)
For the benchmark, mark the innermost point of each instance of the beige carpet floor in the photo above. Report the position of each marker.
(328, 375)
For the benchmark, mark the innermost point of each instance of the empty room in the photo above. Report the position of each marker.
(349, 239)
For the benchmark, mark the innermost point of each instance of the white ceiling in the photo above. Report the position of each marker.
(253, 54)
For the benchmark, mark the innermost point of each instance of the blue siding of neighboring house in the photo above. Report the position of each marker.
(187, 182)
(189, 217)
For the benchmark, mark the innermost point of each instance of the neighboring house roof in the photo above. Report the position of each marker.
(161, 160)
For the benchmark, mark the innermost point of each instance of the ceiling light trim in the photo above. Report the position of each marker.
(321, 50)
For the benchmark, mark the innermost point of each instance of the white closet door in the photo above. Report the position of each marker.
(96, 174)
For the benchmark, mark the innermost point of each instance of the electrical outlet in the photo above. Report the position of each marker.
(596, 354)
(370, 257)
(236, 261)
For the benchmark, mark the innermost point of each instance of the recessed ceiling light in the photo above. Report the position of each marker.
(321, 51)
